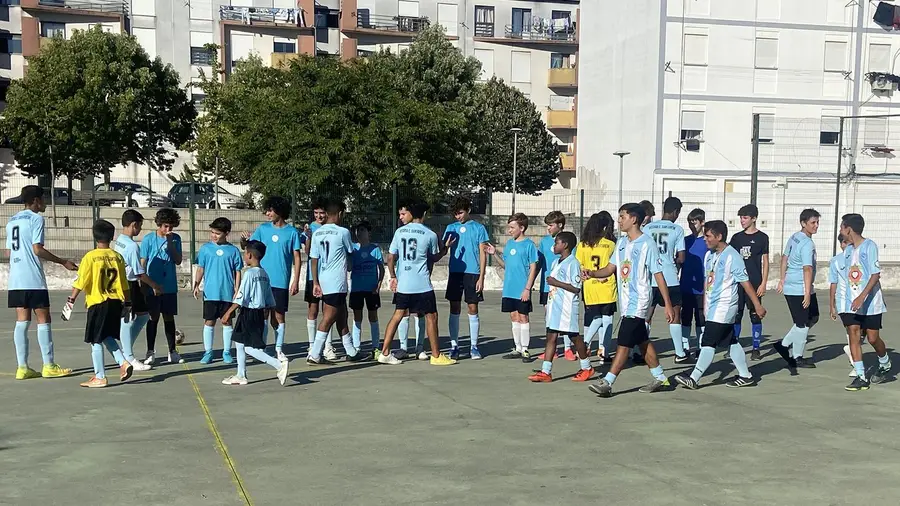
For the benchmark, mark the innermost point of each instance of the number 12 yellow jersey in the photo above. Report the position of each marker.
(101, 276)
(597, 291)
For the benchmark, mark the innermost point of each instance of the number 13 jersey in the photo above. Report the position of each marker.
(592, 258)
(25, 229)
(669, 239)
(413, 244)
(101, 276)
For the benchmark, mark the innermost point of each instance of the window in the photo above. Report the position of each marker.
(830, 131)
(835, 56)
(201, 56)
(325, 19)
(874, 131)
(766, 128)
(880, 58)
(521, 21)
(362, 18)
(692, 129)
(10, 44)
(561, 15)
(766, 52)
(9, 2)
(49, 29)
(521, 67)
(448, 17)
(484, 21)
(285, 47)
(486, 57)
(695, 49)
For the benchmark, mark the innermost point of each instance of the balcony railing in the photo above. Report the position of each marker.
(108, 6)
(568, 161)
(562, 78)
(279, 59)
(248, 15)
(484, 29)
(406, 24)
(541, 33)
(561, 120)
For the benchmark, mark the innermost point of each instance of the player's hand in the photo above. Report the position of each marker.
(295, 287)
(780, 288)
(393, 284)
(196, 292)
(245, 236)
(761, 290)
(857, 303)
(377, 288)
(760, 311)
(70, 265)
(306, 229)
(127, 311)
(157, 290)
(833, 312)
(526, 295)
(670, 313)
(226, 318)
(317, 290)
(450, 241)
(805, 301)
(479, 285)
(490, 249)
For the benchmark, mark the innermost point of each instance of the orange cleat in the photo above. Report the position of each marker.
(583, 375)
(540, 377)
(570, 356)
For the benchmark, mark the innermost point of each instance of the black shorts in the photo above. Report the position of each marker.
(29, 299)
(166, 303)
(803, 317)
(103, 320)
(338, 300)
(138, 301)
(461, 286)
(510, 305)
(595, 311)
(214, 309)
(865, 322)
(562, 333)
(674, 296)
(372, 301)
(717, 333)
(745, 302)
(632, 332)
(416, 303)
(544, 297)
(692, 308)
(308, 294)
(281, 296)
(249, 327)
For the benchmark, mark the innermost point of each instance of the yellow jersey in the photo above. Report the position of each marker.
(597, 291)
(101, 276)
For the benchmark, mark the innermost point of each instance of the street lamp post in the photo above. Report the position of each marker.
(515, 132)
(621, 155)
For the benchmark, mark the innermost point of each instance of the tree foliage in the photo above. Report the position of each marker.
(96, 100)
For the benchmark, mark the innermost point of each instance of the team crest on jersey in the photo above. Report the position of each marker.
(854, 275)
(626, 272)
(219, 252)
(745, 252)
(512, 252)
(462, 230)
(274, 238)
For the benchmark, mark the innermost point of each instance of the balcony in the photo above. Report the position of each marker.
(568, 161)
(484, 30)
(283, 59)
(45, 41)
(391, 24)
(543, 33)
(261, 16)
(561, 120)
(106, 7)
(562, 78)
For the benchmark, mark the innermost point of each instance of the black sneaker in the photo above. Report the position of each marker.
(513, 355)
(687, 359)
(740, 381)
(785, 354)
(880, 374)
(804, 363)
(857, 385)
(321, 361)
(638, 359)
(686, 381)
(360, 356)
(755, 355)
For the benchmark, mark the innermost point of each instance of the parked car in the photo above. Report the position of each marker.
(204, 196)
(129, 195)
(60, 194)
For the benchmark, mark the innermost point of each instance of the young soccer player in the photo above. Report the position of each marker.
(27, 285)
(563, 304)
(798, 271)
(219, 267)
(753, 245)
(132, 222)
(254, 298)
(413, 251)
(102, 278)
(598, 241)
(365, 283)
(669, 238)
(312, 302)
(649, 213)
(556, 222)
(634, 262)
(282, 264)
(160, 254)
(861, 301)
(468, 260)
(692, 280)
(330, 253)
(726, 275)
(839, 285)
(405, 218)
(520, 263)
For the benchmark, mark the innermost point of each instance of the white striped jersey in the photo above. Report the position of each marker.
(563, 305)
(636, 264)
(725, 271)
(859, 265)
(837, 270)
(669, 239)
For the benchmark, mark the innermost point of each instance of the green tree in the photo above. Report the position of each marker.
(96, 100)
(502, 107)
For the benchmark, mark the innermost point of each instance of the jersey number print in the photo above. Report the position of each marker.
(660, 238)
(409, 249)
(111, 276)
(15, 239)
(326, 247)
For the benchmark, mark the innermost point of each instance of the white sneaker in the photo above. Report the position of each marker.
(140, 366)
(234, 380)
(401, 354)
(330, 354)
(423, 356)
(283, 372)
(150, 358)
(389, 359)
(175, 358)
(281, 356)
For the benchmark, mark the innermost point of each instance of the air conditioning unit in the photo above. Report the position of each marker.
(882, 84)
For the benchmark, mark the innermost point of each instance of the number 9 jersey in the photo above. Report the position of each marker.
(24, 230)
(101, 276)
(414, 244)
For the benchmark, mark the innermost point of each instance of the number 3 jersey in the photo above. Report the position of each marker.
(593, 258)
(101, 276)
(25, 229)
(413, 244)
(669, 239)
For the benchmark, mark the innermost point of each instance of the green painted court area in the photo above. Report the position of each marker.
(476, 433)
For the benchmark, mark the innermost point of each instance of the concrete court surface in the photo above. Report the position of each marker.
(476, 433)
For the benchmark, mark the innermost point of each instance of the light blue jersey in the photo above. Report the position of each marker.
(366, 260)
(131, 253)
(636, 263)
(800, 251)
(281, 243)
(725, 272)
(160, 266)
(25, 229)
(518, 257)
(859, 265)
(837, 275)
(546, 258)
(303, 239)
(414, 244)
(331, 244)
(256, 290)
(220, 262)
(563, 305)
(669, 239)
(465, 253)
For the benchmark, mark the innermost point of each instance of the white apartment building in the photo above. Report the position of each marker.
(679, 87)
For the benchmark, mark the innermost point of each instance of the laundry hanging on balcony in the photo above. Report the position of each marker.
(887, 15)
(248, 15)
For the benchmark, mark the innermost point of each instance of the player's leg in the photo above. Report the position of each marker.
(799, 345)
(240, 378)
(474, 330)
(687, 316)
(713, 334)
(209, 330)
(125, 367)
(312, 312)
(739, 317)
(154, 309)
(282, 299)
(45, 339)
(593, 325)
(425, 305)
(421, 335)
(20, 339)
(852, 324)
(798, 330)
(739, 359)
(675, 298)
(656, 369)
(352, 351)
(454, 296)
(329, 316)
(545, 374)
(872, 326)
(606, 332)
(374, 328)
(585, 370)
(508, 306)
(390, 329)
(356, 332)
(632, 331)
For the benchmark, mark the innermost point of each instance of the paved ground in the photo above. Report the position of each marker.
(476, 433)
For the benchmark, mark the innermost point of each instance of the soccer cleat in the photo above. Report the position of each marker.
(474, 354)
(601, 388)
(583, 375)
(805, 363)
(857, 384)
(740, 381)
(880, 374)
(54, 371)
(686, 359)
(541, 356)
(401, 354)
(234, 380)
(125, 371)
(175, 358)
(95, 382)
(570, 356)
(359, 357)
(540, 377)
(318, 361)
(25, 372)
(637, 359)
(513, 355)
(389, 359)
(281, 356)
(150, 358)
(226, 357)
(423, 355)
(526, 357)
(330, 354)
(454, 353)
(654, 386)
(282, 373)
(207, 358)
(686, 381)
(755, 355)
(442, 360)
(785, 354)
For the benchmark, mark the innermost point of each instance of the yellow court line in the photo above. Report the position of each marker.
(220, 443)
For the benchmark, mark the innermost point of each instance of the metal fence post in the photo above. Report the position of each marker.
(581, 212)
(490, 221)
(837, 189)
(95, 211)
(193, 217)
(754, 160)
(394, 210)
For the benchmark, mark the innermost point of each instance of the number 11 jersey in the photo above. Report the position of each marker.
(414, 244)
(25, 229)
(669, 239)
